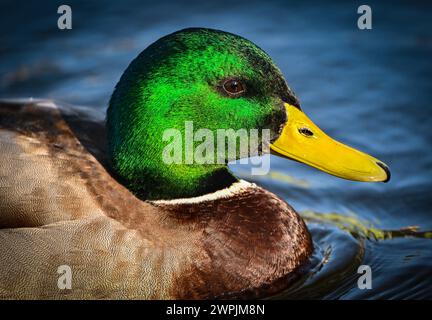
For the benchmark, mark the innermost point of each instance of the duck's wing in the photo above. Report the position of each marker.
(38, 183)
(59, 206)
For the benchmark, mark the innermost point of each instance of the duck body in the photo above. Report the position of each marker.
(60, 205)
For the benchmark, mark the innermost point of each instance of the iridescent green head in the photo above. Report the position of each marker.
(217, 80)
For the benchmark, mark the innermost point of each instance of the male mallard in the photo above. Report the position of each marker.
(130, 225)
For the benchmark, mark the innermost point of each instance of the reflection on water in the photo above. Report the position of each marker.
(370, 89)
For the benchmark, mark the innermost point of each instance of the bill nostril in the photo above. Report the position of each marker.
(386, 169)
(305, 131)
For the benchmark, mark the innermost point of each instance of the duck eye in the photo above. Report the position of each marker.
(234, 87)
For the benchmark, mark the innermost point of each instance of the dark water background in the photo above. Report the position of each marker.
(370, 89)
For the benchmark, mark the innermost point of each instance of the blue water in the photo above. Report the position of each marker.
(370, 89)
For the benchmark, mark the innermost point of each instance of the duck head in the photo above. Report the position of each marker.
(216, 80)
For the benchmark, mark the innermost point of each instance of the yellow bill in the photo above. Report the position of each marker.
(303, 141)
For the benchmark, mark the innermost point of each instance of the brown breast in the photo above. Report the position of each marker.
(252, 244)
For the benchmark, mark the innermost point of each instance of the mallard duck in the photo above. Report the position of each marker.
(99, 199)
